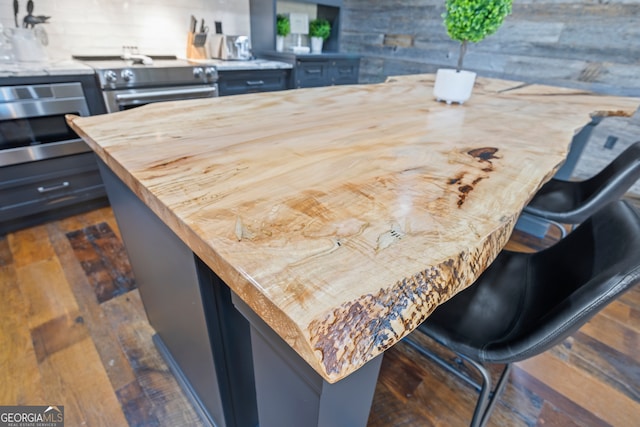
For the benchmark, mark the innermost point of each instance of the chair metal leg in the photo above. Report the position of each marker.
(502, 382)
(487, 398)
(484, 400)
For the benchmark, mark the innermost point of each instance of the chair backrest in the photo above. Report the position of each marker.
(571, 202)
(571, 281)
(614, 180)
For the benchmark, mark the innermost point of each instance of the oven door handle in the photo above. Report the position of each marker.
(169, 93)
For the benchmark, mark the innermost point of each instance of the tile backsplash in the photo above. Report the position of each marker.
(102, 27)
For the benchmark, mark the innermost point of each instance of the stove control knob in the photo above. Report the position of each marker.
(127, 75)
(197, 72)
(210, 72)
(110, 76)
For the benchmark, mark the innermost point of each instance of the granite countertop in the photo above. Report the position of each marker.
(45, 68)
(344, 215)
(72, 67)
(254, 64)
(291, 56)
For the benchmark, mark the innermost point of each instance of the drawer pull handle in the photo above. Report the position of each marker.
(255, 82)
(65, 184)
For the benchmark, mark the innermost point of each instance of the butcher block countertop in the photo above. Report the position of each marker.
(344, 215)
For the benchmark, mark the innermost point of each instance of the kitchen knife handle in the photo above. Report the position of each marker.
(194, 24)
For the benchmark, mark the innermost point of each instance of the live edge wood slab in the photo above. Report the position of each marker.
(344, 215)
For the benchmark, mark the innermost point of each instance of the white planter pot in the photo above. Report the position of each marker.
(453, 86)
(316, 44)
(279, 43)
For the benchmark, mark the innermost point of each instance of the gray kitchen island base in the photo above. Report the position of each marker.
(291, 394)
(234, 368)
(203, 338)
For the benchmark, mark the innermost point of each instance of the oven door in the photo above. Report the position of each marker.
(33, 125)
(119, 100)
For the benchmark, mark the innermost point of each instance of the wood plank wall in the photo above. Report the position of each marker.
(589, 44)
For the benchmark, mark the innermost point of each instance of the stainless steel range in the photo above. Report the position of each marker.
(139, 80)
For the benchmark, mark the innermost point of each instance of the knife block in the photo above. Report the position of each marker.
(196, 52)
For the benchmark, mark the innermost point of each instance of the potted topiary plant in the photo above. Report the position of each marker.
(319, 31)
(283, 28)
(467, 21)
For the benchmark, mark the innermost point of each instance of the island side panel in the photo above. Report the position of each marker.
(290, 393)
(189, 328)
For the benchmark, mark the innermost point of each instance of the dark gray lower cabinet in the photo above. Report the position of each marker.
(325, 72)
(317, 70)
(37, 191)
(236, 82)
(311, 74)
(316, 73)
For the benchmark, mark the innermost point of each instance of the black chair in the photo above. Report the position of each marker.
(571, 202)
(526, 303)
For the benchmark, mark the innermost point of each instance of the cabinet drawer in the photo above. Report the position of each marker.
(326, 72)
(239, 82)
(37, 187)
(343, 72)
(312, 74)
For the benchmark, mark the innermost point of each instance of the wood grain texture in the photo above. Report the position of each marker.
(103, 258)
(18, 363)
(618, 409)
(49, 295)
(73, 351)
(344, 215)
(91, 403)
(93, 314)
(29, 245)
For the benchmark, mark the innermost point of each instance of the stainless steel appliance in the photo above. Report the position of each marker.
(140, 80)
(32, 121)
(230, 47)
(46, 170)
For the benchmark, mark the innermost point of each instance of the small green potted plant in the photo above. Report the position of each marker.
(467, 21)
(319, 31)
(283, 28)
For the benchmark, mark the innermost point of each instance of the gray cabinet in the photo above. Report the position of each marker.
(325, 69)
(31, 192)
(328, 71)
(311, 74)
(235, 82)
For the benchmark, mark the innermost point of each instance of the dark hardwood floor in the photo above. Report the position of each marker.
(73, 332)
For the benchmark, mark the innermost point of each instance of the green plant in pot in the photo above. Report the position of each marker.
(283, 28)
(319, 31)
(467, 21)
